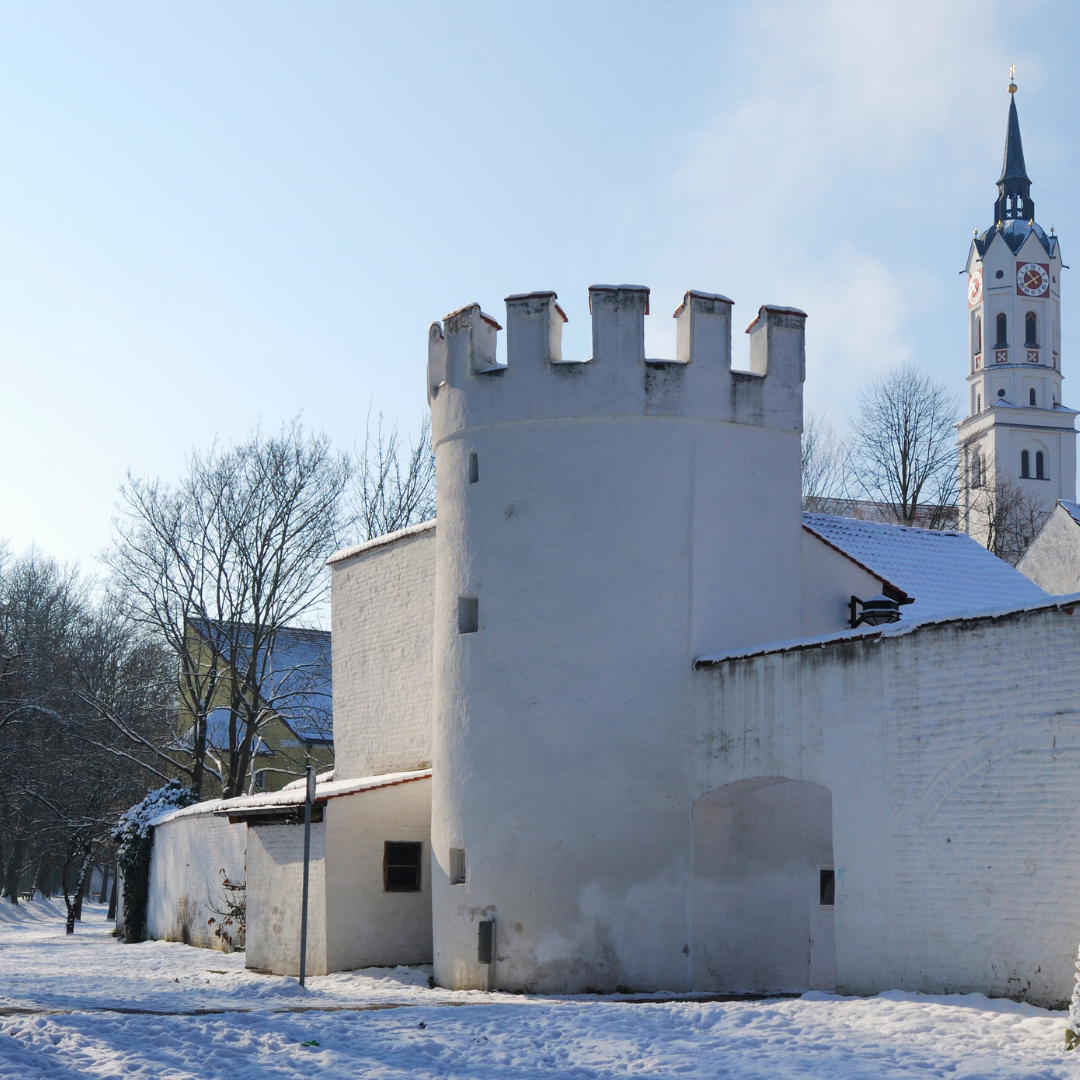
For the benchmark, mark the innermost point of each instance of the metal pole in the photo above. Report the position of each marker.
(309, 799)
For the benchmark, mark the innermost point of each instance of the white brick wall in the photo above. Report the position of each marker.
(952, 754)
(382, 616)
(186, 861)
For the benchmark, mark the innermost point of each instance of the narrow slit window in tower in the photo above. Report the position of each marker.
(474, 469)
(1025, 465)
(978, 403)
(1002, 331)
(976, 470)
(978, 335)
(827, 887)
(468, 613)
(1040, 468)
(1030, 327)
(457, 866)
(1031, 396)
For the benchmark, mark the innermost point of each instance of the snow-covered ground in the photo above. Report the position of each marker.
(88, 1006)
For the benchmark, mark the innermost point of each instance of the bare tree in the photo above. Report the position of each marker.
(63, 776)
(218, 564)
(825, 467)
(1007, 516)
(904, 447)
(394, 487)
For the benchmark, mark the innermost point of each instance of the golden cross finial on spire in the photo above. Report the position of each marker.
(1012, 78)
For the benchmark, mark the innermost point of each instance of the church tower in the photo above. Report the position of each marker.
(1018, 442)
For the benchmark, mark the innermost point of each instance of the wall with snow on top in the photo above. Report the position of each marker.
(192, 853)
(382, 618)
(951, 754)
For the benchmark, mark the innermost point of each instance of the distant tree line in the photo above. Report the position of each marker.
(95, 674)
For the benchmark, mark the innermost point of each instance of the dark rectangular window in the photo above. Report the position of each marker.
(468, 613)
(828, 888)
(474, 469)
(401, 867)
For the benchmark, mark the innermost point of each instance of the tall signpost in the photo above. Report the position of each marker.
(308, 803)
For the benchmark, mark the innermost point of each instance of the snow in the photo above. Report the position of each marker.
(944, 571)
(89, 1006)
(379, 541)
(295, 794)
(158, 805)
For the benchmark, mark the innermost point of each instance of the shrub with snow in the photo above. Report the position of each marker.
(134, 833)
(1072, 1025)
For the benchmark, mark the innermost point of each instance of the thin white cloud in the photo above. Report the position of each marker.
(833, 115)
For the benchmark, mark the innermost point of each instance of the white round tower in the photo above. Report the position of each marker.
(600, 524)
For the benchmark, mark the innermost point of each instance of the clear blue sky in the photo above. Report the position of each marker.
(220, 212)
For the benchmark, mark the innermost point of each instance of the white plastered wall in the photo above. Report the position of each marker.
(951, 753)
(829, 580)
(1053, 559)
(191, 854)
(352, 921)
(382, 619)
(275, 869)
(366, 926)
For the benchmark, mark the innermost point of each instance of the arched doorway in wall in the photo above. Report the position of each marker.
(763, 886)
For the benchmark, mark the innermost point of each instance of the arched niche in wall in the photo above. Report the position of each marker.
(763, 888)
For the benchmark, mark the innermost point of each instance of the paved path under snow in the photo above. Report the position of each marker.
(194, 1013)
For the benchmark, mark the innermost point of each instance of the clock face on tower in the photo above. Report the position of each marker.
(1032, 279)
(974, 287)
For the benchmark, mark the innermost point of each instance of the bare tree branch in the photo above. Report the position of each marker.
(903, 448)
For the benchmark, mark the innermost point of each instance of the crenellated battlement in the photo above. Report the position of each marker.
(468, 386)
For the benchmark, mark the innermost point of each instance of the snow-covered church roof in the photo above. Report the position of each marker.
(947, 573)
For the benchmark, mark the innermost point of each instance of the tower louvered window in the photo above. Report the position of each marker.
(1030, 326)
(1002, 331)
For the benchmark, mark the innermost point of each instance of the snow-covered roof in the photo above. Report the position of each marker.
(1067, 603)
(292, 796)
(946, 572)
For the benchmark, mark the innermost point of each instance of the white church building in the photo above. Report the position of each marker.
(607, 725)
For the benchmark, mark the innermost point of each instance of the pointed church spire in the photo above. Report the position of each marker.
(1014, 185)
